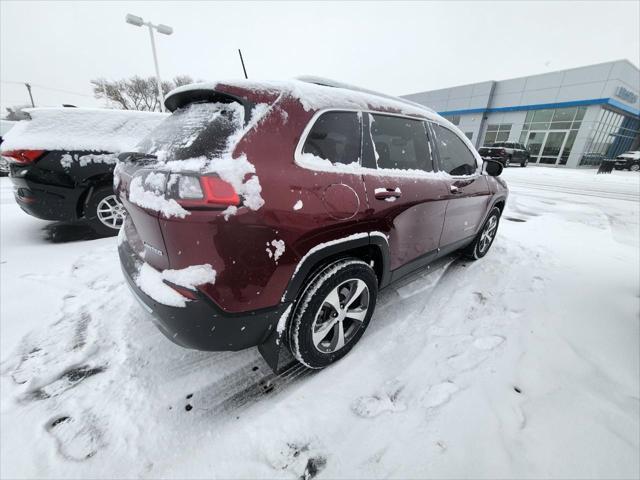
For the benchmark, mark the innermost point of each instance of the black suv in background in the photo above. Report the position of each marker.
(506, 153)
(61, 162)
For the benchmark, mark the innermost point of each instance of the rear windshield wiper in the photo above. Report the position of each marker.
(134, 156)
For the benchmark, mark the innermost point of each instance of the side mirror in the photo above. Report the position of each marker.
(492, 168)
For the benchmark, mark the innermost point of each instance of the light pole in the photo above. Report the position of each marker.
(164, 29)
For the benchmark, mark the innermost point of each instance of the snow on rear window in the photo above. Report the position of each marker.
(195, 130)
(81, 129)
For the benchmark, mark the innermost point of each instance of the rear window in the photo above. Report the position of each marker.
(194, 130)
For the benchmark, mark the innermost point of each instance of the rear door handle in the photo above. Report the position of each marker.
(388, 194)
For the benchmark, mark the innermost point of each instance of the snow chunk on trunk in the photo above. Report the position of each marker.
(151, 282)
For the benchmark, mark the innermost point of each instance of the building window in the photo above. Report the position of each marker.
(611, 135)
(455, 119)
(497, 133)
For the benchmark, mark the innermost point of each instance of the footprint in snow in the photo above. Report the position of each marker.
(64, 382)
(299, 458)
(439, 394)
(75, 439)
(386, 400)
(488, 343)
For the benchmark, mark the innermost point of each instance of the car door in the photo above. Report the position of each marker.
(468, 191)
(406, 198)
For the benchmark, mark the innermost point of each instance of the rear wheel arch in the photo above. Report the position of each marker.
(92, 183)
(373, 250)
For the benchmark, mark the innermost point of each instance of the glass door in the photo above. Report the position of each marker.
(535, 140)
(546, 147)
(553, 145)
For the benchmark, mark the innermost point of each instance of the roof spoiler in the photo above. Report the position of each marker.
(180, 99)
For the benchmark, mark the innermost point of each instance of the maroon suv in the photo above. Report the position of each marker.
(271, 214)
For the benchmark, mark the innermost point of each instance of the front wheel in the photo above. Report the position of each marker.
(525, 163)
(104, 211)
(635, 167)
(333, 312)
(484, 240)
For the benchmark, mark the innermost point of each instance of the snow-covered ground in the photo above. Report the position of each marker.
(523, 364)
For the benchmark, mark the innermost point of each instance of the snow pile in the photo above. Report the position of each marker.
(298, 205)
(91, 129)
(151, 282)
(191, 276)
(154, 200)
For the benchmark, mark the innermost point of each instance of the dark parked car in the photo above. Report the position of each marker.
(628, 161)
(506, 153)
(272, 214)
(61, 162)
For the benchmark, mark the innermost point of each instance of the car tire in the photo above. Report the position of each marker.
(635, 167)
(333, 312)
(525, 163)
(104, 212)
(507, 162)
(483, 241)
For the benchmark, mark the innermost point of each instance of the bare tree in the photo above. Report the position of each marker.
(135, 93)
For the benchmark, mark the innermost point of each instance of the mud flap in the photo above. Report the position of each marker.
(275, 353)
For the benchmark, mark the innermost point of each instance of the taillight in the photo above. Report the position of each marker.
(23, 157)
(503, 152)
(209, 190)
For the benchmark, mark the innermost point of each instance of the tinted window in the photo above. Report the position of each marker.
(194, 130)
(335, 137)
(455, 156)
(400, 143)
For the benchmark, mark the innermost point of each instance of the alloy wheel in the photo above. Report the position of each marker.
(488, 232)
(635, 167)
(111, 212)
(341, 316)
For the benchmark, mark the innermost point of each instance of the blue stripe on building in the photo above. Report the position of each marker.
(540, 106)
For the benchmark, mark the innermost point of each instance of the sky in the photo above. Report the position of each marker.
(392, 47)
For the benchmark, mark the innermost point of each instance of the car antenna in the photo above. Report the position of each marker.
(243, 67)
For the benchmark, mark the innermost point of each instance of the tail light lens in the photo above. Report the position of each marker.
(190, 190)
(23, 157)
(210, 190)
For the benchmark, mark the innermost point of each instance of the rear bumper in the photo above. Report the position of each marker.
(201, 324)
(45, 201)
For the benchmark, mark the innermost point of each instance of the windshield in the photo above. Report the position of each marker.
(194, 130)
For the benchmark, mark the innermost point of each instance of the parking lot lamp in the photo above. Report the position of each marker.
(164, 29)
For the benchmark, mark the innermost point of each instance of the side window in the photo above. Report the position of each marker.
(400, 143)
(335, 136)
(455, 156)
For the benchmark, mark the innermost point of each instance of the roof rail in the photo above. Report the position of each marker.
(327, 82)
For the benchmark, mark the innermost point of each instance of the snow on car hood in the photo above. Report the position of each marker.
(91, 129)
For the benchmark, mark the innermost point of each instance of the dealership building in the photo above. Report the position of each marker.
(569, 118)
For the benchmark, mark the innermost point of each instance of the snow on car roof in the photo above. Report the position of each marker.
(91, 129)
(315, 96)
